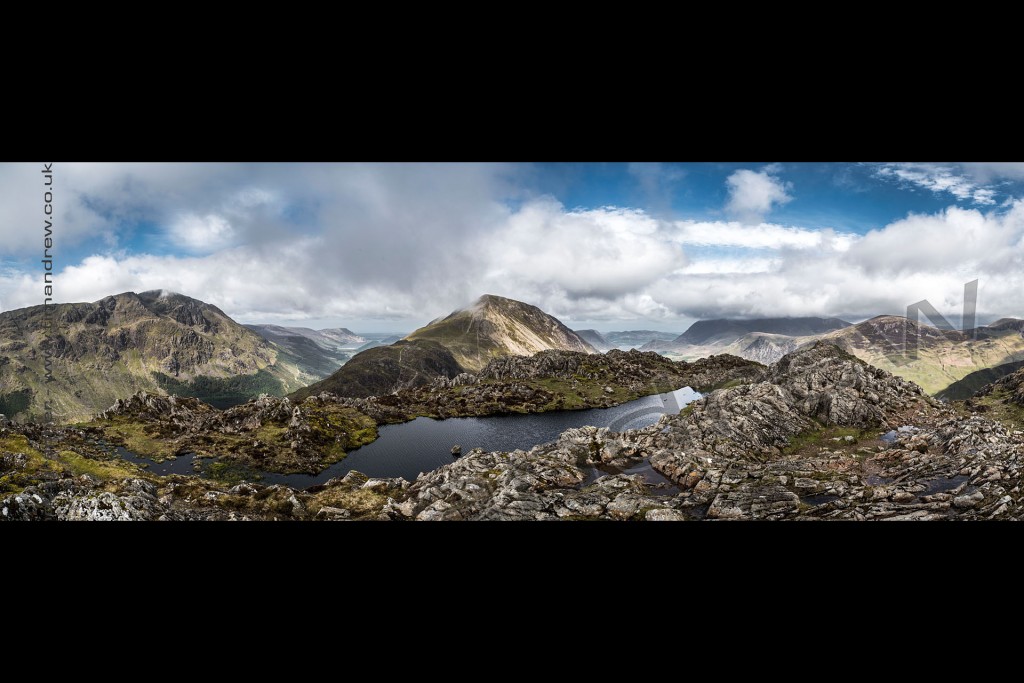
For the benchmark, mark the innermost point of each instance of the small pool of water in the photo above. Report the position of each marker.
(942, 484)
(658, 484)
(180, 465)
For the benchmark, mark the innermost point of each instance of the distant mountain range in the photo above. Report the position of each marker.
(636, 338)
(163, 342)
(629, 339)
(944, 357)
(317, 353)
(595, 339)
(725, 332)
(114, 347)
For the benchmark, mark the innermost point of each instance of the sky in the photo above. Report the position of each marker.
(386, 247)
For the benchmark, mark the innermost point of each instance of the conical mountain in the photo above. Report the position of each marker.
(463, 341)
(495, 326)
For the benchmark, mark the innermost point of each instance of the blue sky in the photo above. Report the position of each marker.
(387, 247)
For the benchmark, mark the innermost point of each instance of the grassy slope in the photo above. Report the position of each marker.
(944, 363)
(380, 370)
(997, 405)
(334, 430)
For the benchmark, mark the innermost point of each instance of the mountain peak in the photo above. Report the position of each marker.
(498, 326)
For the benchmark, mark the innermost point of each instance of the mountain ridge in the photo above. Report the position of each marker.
(727, 330)
(127, 342)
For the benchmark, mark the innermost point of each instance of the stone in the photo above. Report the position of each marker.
(664, 515)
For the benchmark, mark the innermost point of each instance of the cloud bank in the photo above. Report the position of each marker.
(414, 241)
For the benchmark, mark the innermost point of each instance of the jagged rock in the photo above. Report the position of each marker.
(27, 506)
(106, 507)
(837, 388)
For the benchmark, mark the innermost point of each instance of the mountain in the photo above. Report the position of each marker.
(495, 326)
(725, 331)
(114, 347)
(594, 338)
(317, 353)
(764, 340)
(943, 356)
(633, 338)
(386, 369)
(1004, 325)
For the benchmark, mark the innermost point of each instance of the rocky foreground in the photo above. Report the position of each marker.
(818, 435)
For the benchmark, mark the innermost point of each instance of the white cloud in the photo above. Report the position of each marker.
(604, 252)
(412, 242)
(927, 256)
(753, 194)
(988, 171)
(939, 178)
(762, 236)
(202, 233)
(951, 239)
(726, 266)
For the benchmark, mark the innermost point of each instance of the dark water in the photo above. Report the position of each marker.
(405, 450)
(890, 436)
(658, 484)
(181, 465)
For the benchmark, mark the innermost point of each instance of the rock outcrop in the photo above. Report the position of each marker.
(1012, 385)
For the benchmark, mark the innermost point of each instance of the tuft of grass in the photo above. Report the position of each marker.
(813, 439)
(999, 407)
(359, 502)
(15, 481)
(228, 472)
(103, 470)
(138, 437)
